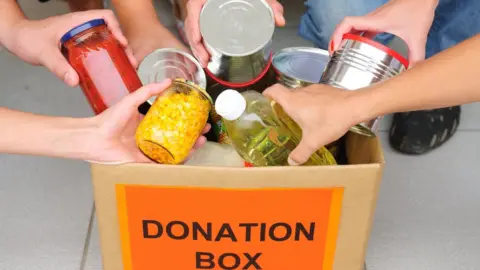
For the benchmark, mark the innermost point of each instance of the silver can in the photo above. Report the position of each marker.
(300, 66)
(173, 64)
(238, 36)
(362, 60)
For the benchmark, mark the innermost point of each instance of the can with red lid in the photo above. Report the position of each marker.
(105, 72)
(364, 59)
(238, 37)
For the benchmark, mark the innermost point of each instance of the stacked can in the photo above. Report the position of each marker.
(238, 37)
(364, 59)
(302, 66)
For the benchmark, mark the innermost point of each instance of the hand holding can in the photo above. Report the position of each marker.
(192, 26)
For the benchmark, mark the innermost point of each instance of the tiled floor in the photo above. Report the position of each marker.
(427, 215)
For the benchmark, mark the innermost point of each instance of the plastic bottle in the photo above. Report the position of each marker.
(258, 133)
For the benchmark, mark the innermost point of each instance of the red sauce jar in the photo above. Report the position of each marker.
(105, 72)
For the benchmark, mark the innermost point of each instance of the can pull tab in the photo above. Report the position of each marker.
(385, 41)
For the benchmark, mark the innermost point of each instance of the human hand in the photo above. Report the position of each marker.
(113, 139)
(152, 38)
(408, 19)
(324, 113)
(192, 27)
(37, 42)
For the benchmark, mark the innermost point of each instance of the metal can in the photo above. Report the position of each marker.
(361, 60)
(238, 36)
(171, 63)
(300, 66)
(174, 122)
(104, 70)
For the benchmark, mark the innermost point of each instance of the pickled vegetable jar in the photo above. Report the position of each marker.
(172, 125)
(105, 72)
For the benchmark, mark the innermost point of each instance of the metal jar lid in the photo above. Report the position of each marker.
(171, 63)
(236, 27)
(300, 66)
(144, 107)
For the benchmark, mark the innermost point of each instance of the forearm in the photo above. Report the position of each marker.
(10, 14)
(29, 134)
(449, 78)
(136, 15)
(432, 3)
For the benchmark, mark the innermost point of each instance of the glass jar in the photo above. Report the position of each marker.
(105, 72)
(174, 122)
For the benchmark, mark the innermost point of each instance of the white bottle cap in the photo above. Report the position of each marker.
(230, 104)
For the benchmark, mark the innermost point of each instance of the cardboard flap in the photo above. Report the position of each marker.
(363, 150)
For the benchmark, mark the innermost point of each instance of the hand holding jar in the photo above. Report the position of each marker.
(174, 123)
(105, 138)
(37, 42)
(114, 140)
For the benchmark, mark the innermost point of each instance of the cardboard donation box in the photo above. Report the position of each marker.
(154, 217)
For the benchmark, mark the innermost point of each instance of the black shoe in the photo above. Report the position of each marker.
(419, 132)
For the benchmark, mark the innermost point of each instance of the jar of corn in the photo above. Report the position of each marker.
(174, 122)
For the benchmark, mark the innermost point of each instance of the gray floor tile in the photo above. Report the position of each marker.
(36, 10)
(43, 212)
(386, 122)
(163, 8)
(428, 211)
(292, 10)
(469, 118)
(44, 202)
(94, 256)
(285, 37)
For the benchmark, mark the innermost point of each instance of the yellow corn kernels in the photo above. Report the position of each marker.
(173, 123)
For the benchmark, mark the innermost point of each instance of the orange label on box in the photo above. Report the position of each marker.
(214, 228)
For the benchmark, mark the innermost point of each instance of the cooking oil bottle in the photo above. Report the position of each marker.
(262, 135)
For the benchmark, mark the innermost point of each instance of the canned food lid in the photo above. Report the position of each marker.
(237, 27)
(78, 29)
(301, 63)
(377, 44)
(193, 85)
(173, 64)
